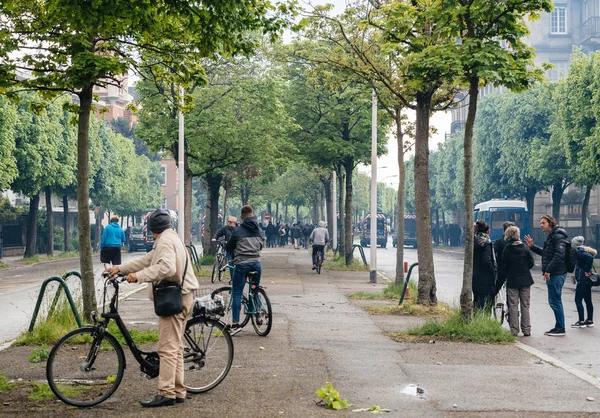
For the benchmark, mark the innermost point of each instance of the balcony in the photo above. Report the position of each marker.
(590, 31)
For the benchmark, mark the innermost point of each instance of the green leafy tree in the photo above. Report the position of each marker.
(575, 124)
(334, 111)
(69, 49)
(488, 49)
(38, 136)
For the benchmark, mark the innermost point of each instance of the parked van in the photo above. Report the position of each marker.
(495, 212)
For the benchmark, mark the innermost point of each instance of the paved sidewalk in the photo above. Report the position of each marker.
(318, 336)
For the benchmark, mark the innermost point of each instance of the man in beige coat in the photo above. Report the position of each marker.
(166, 261)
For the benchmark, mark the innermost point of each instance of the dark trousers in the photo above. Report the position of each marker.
(583, 291)
(316, 248)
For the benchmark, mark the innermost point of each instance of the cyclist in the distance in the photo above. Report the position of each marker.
(225, 232)
(319, 237)
(245, 243)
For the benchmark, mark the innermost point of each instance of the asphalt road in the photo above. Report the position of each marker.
(579, 348)
(20, 286)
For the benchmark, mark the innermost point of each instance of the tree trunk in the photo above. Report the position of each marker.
(444, 229)
(297, 213)
(66, 220)
(466, 294)
(83, 220)
(98, 235)
(50, 222)
(427, 286)
(557, 193)
(530, 199)
(188, 199)
(329, 204)
(31, 243)
(437, 227)
(276, 212)
(401, 190)
(349, 167)
(341, 223)
(269, 209)
(213, 183)
(286, 214)
(584, 211)
(315, 211)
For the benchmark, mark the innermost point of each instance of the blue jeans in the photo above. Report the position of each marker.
(239, 281)
(555, 285)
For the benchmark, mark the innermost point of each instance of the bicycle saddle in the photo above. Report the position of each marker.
(252, 276)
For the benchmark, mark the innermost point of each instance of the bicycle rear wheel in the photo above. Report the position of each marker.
(207, 353)
(217, 271)
(85, 369)
(263, 315)
(499, 307)
(319, 262)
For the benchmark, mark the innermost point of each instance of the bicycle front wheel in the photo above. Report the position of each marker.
(207, 354)
(84, 368)
(263, 315)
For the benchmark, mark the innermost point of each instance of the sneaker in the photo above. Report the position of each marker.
(578, 324)
(589, 323)
(314, 267)
(527, 334)
(556, 333)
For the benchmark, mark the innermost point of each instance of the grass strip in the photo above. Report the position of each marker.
(482, 328)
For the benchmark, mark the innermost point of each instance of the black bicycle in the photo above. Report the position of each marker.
(255, 304)
(220, 264)
(86, 366)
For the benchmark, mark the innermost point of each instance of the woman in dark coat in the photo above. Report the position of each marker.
(484, 267)
(517, 260)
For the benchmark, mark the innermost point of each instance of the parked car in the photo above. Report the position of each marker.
(137, 239)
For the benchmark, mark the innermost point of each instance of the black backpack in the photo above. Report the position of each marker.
(570, 258)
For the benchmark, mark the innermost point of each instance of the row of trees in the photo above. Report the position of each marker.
(544, 139)
(414, 54)
(39, 153)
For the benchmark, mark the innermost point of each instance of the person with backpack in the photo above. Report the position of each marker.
(584, 261)
(517, 261)
(554, 268)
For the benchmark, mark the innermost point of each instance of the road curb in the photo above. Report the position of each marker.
(7, 344)
(557, 363)
(11, 267)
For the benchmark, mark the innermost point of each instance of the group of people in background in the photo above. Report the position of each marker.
(280, 234)
(509, 260)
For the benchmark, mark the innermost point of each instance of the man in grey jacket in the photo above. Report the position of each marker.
(319, 237)
(245, 243)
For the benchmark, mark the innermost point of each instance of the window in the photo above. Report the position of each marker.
(164, 205)
(163, 174)
(559, 19)
(498, 218)
(517, 218)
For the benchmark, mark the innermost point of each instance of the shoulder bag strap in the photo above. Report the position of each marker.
(186, 263)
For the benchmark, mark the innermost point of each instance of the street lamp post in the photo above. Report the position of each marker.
(373, 258)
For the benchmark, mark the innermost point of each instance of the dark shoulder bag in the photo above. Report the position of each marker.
(168, 299)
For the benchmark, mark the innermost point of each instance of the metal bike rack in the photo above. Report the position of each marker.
(361, 251)
(413, 265)
(61, 284)
(194, 255)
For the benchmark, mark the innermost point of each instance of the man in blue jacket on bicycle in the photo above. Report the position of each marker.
(245, 243)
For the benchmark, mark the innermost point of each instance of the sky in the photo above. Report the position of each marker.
(387, 165)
